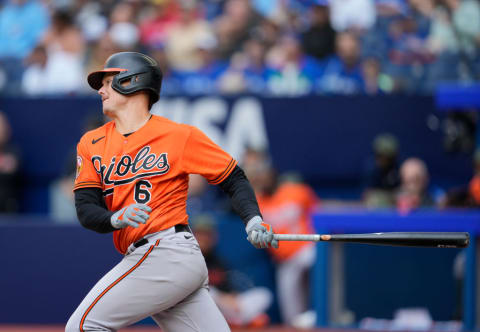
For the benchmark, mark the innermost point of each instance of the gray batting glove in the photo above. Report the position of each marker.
(258, 234)
(132, 215)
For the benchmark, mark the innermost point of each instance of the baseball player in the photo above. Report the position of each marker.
(132, 180)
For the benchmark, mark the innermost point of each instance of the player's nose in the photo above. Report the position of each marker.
(101, 91)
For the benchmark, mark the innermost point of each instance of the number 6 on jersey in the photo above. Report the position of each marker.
(141, 193)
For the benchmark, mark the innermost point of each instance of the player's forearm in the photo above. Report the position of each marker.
(91, 210)
(241, 193)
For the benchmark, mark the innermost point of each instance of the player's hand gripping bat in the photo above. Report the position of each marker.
(409, 239)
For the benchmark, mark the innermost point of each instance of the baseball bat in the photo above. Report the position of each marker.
(408, 239)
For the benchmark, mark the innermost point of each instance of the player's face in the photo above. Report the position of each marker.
(112, 101)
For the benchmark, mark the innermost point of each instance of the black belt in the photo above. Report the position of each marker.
(178, 228)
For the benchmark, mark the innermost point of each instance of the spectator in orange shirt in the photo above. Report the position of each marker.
(474, 185)
(286, 205)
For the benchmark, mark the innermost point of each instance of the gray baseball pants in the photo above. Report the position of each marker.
(166, 279)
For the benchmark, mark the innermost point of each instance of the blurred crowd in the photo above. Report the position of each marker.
(272, 47)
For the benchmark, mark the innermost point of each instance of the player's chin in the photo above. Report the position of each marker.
(106, 110)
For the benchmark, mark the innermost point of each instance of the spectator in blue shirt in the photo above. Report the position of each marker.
(342, 72)
(247, 71)
(22, 25)
(204, 79)
(293, 72)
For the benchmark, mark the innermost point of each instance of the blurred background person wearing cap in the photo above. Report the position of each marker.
(242, 303)
(381, 176)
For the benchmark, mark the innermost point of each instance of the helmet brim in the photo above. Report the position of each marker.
(95, 78)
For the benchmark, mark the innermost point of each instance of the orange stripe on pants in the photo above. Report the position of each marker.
(114, 283)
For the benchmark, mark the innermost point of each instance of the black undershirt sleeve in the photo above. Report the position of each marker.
(92, 211)
(93, 214)
(241, 193)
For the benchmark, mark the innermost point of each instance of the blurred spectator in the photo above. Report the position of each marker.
(413, 191)
(465, 18)
(390, 8)
(293, 73)
(123, 26)
(234, 27)
(465, 195)
(375, 81)
(35, 75)
(375, 40)
(267, 8)
(204, 79)
(22, 25)
(153, 28)
(241, 303)
(356, 15)
(442, 37)
(268, 31)
(10, 184)
(382, 175)
(90, 19)
(202, 198)
(61, 196)
(342, 73)
(319, 39)
(473, 197)
(171, 81)
(181, 38)
(123, 12)
(247, 70)
(125, 35)
(213, 8)
(422, 11)
(287, 206)
(65, 47)
(460, 130)
(408, 54)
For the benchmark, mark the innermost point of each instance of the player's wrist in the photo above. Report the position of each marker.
(257, 220)
(116, 219)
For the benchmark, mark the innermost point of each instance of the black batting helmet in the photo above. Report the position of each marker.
(139, 69)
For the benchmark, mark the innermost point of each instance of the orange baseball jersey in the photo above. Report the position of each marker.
(149, 166)
(288, 211)
(474, 189)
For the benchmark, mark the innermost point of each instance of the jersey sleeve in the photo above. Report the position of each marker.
(202, 156)
(86, 175)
